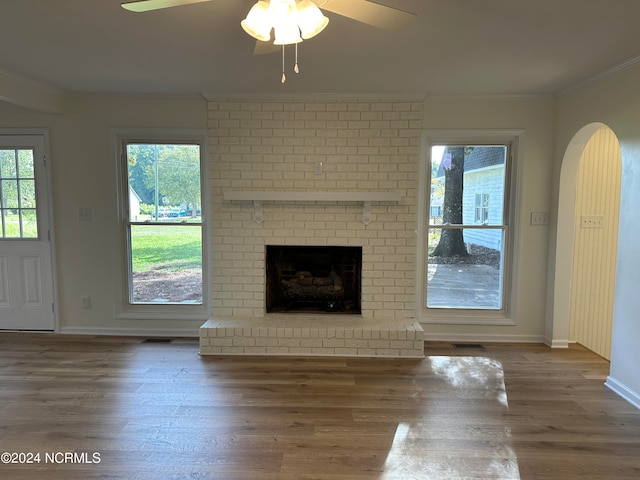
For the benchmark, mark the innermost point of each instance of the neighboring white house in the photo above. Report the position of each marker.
(134, 205)
(483, 195)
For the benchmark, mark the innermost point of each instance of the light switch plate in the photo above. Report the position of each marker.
(592, 221)
(539, 218)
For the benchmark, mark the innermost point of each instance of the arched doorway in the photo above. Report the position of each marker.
(587, 226)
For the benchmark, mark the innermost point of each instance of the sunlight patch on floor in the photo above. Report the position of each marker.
(472, 373)
(458, 448)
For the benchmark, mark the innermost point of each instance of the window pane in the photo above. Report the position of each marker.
(467, 188)
(25, 164)
(164, 189)
(166, 263)
(11, 224)
(18, 194)
(9, 194)
(473, 281)
(467, 183)
(164, 182)
(27, 193)
(29, 223)
(7, 164)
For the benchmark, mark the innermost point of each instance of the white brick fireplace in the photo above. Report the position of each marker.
(315, 150)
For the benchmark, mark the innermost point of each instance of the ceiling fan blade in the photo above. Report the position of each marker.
(148, 5)
(265, 48)
(371, 13)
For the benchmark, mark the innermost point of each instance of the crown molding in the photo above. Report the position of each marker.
(29, 94)
(626, 65)
(338, 97)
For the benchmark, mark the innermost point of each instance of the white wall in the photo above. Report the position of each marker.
(84, 175)
(615, 102)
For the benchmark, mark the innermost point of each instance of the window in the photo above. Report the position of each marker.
(466, 247)
(481, 210)
(163, 222)
(18, 213)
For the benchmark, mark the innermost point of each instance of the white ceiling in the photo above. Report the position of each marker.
(486, 47)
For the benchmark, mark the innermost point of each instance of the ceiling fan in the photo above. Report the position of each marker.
(295, 20)
(371, 13)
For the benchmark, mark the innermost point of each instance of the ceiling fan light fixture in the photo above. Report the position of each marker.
(291, 21)
(258, 22)
(310, 19)
(281, 10)
(287, 34)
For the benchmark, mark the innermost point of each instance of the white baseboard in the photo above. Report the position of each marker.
(132, 332)
(620, 389)
(555, 343)
(474, 338)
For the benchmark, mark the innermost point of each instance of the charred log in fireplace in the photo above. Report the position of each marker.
(323, 279)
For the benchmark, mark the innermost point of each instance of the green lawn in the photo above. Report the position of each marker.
(12, 226)
(172, 247)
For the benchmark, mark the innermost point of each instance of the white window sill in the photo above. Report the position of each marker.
(465, 317)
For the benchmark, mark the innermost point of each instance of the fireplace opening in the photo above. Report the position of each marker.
(318, 279)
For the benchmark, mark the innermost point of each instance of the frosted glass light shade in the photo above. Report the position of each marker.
(281, 9)
(287, 34)
(258, 22)
(310, 19)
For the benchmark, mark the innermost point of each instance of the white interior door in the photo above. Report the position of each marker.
(26, 267)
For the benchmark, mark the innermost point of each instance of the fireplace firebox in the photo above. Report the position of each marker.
(318, 279)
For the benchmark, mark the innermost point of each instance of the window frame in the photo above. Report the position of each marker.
(120, 138)
(513, 139)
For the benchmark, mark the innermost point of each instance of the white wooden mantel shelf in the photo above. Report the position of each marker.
(257, 197)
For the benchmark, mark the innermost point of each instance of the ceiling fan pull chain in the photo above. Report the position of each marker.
(295, 67)
(284, 78)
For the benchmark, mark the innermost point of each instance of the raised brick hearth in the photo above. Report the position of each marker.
(322, 335)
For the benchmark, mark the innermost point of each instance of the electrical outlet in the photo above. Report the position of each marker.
(85, 302)
(592, 221)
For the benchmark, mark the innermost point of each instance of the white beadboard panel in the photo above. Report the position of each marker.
(4, 282)
(30, 270)
(594, 253)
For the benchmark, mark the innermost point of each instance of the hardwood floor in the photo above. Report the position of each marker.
(159, 411)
